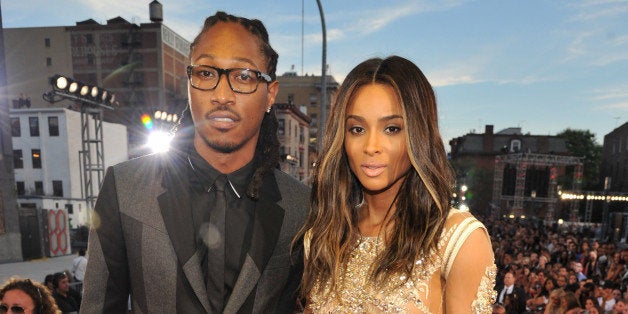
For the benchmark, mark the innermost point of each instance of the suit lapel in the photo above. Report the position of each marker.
(267, 224)
(175, 207)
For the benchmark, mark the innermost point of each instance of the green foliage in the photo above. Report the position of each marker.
(479, 182)
(581, 143)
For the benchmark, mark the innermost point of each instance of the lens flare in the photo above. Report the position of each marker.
(147, 121)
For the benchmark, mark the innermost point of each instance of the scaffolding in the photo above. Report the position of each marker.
(522, 161)
(92, 152)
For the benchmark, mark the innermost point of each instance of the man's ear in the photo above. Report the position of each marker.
(273, 89)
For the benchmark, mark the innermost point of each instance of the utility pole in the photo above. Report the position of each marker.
(323, 114)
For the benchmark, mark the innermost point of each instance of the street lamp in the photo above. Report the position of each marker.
(322, 119)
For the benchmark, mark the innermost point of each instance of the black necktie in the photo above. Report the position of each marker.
(216, 247)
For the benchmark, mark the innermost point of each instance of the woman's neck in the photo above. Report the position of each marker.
(375, 213)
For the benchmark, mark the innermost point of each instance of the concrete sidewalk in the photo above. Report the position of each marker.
(36, 269)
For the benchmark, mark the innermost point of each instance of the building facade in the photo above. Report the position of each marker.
(304, 92)
(144, 65)
(614, 163)
(513, 173)
(10, 242)
(49, 168)
(294, 137)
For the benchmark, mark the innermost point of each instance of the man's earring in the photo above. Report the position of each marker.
(268, 110)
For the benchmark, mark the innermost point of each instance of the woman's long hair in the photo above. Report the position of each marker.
(421, 205)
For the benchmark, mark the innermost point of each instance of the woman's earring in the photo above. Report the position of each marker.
(268, 110)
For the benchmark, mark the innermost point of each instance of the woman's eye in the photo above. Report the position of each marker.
(356, 130)
(392, 129)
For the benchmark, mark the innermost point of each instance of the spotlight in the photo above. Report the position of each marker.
(61, 82)
(94, 92)
(84, 90)
(74, 86)
(68, 88)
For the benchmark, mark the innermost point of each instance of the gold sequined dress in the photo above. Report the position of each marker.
(424, 292)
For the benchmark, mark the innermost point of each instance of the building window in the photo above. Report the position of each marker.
(18, 159)
(515, 146)
(289, 128)
(290, 99)
(57, 188)
(313, 99)
(48, 61)
(33, 123)
(90, 59)
(36, 158)
(20, 188)
(89, 38)
(314, 121)
(281, 128)
(301, 135)
(47, 42)
(39, 188)
(53, 126)
(16, 131)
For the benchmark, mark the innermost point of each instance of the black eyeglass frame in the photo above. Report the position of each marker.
(259, 74)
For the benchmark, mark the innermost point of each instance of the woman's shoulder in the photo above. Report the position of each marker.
(458, 220)
(459, 226)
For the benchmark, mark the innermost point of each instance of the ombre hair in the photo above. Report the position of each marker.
(422, 202)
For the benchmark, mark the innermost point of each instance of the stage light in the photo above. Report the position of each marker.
(61, 82)
(159, 141)
(157, 115)
(84, 90)
(94, 92)
(74, 86)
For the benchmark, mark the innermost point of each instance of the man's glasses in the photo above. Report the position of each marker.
(14, 309)
(243, 81)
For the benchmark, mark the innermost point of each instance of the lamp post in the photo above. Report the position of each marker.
(323, 114)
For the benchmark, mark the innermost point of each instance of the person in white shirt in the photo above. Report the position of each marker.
(79, 264)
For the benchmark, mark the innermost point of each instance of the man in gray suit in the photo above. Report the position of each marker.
(173, 239)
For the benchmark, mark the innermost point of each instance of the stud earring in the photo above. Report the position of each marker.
(268, 110)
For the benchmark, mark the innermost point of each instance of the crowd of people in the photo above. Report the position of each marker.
(556, 269)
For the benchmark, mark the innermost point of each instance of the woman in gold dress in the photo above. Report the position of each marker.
(381, 236)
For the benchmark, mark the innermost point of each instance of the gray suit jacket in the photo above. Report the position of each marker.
(142, 244)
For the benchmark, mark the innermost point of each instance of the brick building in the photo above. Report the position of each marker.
(615, 159)
(511, 172)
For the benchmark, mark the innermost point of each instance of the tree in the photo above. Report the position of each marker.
(479, 182)
(581, 143)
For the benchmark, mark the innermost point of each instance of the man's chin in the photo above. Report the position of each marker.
(222, 145)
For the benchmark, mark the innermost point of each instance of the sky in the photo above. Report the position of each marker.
(541, 65)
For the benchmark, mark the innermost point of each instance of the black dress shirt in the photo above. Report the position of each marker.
(238, 218)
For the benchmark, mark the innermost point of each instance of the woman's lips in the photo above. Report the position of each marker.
(373, 170)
